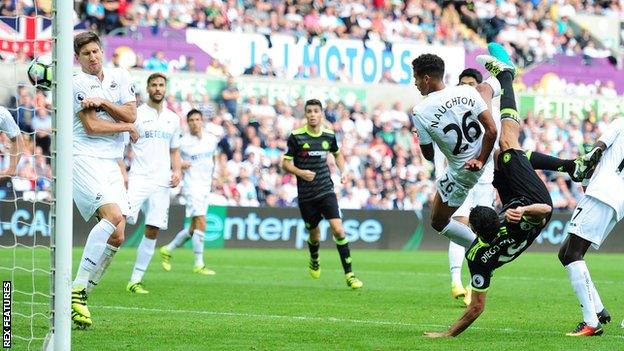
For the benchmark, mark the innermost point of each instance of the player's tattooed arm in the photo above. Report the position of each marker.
(428, 151)
(472, 312)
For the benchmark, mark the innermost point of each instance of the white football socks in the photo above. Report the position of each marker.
(96, 242)
(495, 84)
(144, 256)
(459, 233)
(178, 240)
(583, 287)
(198, 247)
(102, 266)
(456, 259)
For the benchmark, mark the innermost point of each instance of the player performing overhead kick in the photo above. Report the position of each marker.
(527, 205)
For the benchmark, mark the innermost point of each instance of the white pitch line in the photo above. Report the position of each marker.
(320, 319)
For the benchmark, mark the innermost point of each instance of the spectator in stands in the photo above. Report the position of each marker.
(230, 96)
(42, 125)
(157, 62)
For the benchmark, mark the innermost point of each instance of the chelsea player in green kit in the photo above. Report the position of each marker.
(306, 158)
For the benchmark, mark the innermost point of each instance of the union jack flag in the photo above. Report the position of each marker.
(32, 35)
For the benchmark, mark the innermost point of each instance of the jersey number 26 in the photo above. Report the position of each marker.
(464, 132)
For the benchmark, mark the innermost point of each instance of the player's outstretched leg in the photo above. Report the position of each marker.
(165, 252)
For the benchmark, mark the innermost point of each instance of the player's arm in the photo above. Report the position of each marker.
(289, 166)
(176, 167)
(340, 160)
(17, 145)
(424, 139)
(472, 312)
(121, 113)
(487, 144)
(534, 213)
(98, 126)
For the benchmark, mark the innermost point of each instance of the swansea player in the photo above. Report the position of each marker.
(198, 149)
(11, 130)
(481, 194)
(527, 205)
(458, 121)
(104, 108)
(155, 168)
(593, 219)
(306, 158)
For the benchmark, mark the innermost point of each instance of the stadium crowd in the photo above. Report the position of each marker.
(387, 170)
(533, 30)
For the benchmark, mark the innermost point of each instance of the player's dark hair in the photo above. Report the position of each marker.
(156, 75)
(429, 64)
(471, 72)
(192, 112)
(484, 221)
(85, 38)
(313, 102)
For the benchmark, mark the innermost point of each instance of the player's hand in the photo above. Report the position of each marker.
(94, 102)
(514, 215)
(176, 176)
(134, 133)
(186, 165)
(307, 175)
(436, 335)
(474, 165)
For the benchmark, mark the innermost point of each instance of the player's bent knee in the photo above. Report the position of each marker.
(567, 256)
(439, 224)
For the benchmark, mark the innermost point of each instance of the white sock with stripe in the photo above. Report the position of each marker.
(582, 285)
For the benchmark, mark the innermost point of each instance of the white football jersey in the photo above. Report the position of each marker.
(200, 153)
(607, 183)
(117, 88)
(450, 118)
(7, 123)
(158, 134)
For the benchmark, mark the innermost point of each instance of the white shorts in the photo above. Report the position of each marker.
(97, 182)
(453, 192)
(592, 220)
(197, 201)
(153, 199)
(482, 194)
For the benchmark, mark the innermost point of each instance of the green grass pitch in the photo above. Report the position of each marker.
(265, 300)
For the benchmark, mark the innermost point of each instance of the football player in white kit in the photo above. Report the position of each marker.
(155, 169)
(482, 194)
(10, 128)
(458, 120)
(593, 219)
(104, 108)
(198, 148)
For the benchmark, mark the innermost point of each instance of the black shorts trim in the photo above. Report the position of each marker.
(313, 211)
(516, 178)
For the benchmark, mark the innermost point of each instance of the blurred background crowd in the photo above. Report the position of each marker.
(387, 170)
